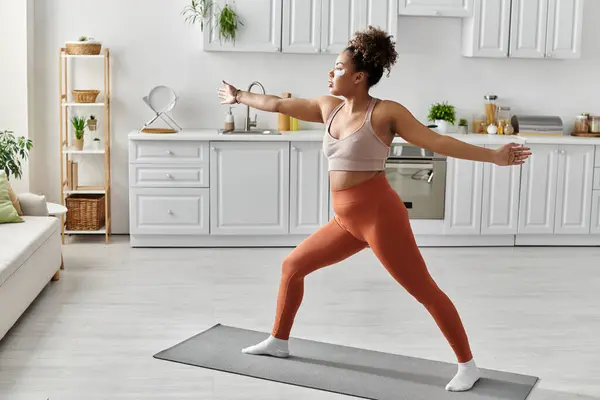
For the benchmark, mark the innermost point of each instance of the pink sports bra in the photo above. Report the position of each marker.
(363, 150)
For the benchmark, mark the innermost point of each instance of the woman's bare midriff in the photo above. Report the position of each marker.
(339, 180)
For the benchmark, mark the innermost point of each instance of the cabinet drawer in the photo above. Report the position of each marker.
(168, 151)
(597, 179)
(169, 211)
(168, 175)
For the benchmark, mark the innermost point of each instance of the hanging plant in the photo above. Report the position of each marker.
(226, 19)
(228, 24)
(197, 11)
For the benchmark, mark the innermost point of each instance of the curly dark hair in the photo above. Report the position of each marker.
(373, 51)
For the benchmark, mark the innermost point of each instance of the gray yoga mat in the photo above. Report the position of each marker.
(341, 369)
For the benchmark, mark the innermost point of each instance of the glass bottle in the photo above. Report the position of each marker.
(490, 108)
(503, 119)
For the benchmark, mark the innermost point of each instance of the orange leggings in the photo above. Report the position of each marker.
(368, 214)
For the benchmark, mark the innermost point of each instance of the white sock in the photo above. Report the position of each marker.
(465, 378)
(270, 346)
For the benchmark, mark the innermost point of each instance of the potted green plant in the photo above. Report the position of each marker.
(226, 19)
(442, 114)
(462, 126)
(79, 125)
(13, 151)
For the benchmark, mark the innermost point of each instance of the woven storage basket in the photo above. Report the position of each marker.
(85, 212)
(83, 48)
(85, 96)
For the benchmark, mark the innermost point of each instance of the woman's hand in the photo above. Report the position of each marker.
(511, 154)
(227, 93)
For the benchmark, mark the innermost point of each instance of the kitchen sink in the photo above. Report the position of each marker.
(250, 132)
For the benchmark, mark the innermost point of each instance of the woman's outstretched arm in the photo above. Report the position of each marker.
(303, 109)
(405, 125)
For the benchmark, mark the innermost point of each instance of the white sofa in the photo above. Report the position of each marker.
(30, 257)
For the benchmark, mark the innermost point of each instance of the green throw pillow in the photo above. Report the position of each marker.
(8, 212)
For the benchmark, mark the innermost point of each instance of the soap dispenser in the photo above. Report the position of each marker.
(229, 124)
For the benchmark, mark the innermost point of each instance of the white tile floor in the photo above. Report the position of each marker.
(92, 334)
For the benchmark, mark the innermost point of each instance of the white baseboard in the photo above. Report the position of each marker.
(557, 240)
(423, 240)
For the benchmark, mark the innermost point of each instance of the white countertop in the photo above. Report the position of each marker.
(317, 135)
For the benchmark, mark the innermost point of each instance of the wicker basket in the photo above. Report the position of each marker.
(83, 48)
(85, 96)
(85, 212)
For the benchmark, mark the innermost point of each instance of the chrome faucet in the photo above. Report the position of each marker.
(247, 122)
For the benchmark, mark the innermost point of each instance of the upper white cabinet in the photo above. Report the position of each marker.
(303, 26)
(565, 22)
(260, 32)
(464, 188)
(249, 188)
(487, 33)
(528, 28)
(574, 189)
(309, 188)
(438, 8)
(524, 29)
(326, 26)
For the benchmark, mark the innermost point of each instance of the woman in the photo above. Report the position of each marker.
(358, 133)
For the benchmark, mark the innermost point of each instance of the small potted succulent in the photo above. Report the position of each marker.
(78, 127)
(92, 123)
(462, 126)
(443, 115)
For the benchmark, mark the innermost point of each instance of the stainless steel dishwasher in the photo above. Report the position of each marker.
(419, 178)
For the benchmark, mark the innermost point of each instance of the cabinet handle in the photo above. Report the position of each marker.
(170, 212)
(168, 152)
(562, 152)
(294, 148)
(168, 176)
(436, 13)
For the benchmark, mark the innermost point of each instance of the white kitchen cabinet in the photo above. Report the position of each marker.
(546, 29)
(565, 29)
(309, 188)
(249, 188)
(168, 211)
(437, 8)
(500, 202)
(524, 29)
(301, 26)
(595, 215)
(529, 28)
(326, 26)
(538, 190)
(487, 33)
(464, 189)
(260, 32)
(574, 189)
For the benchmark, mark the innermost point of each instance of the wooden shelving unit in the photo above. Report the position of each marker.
(67, 152)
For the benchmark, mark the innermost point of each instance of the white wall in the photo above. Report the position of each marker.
(151, 45)
(16, 52)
